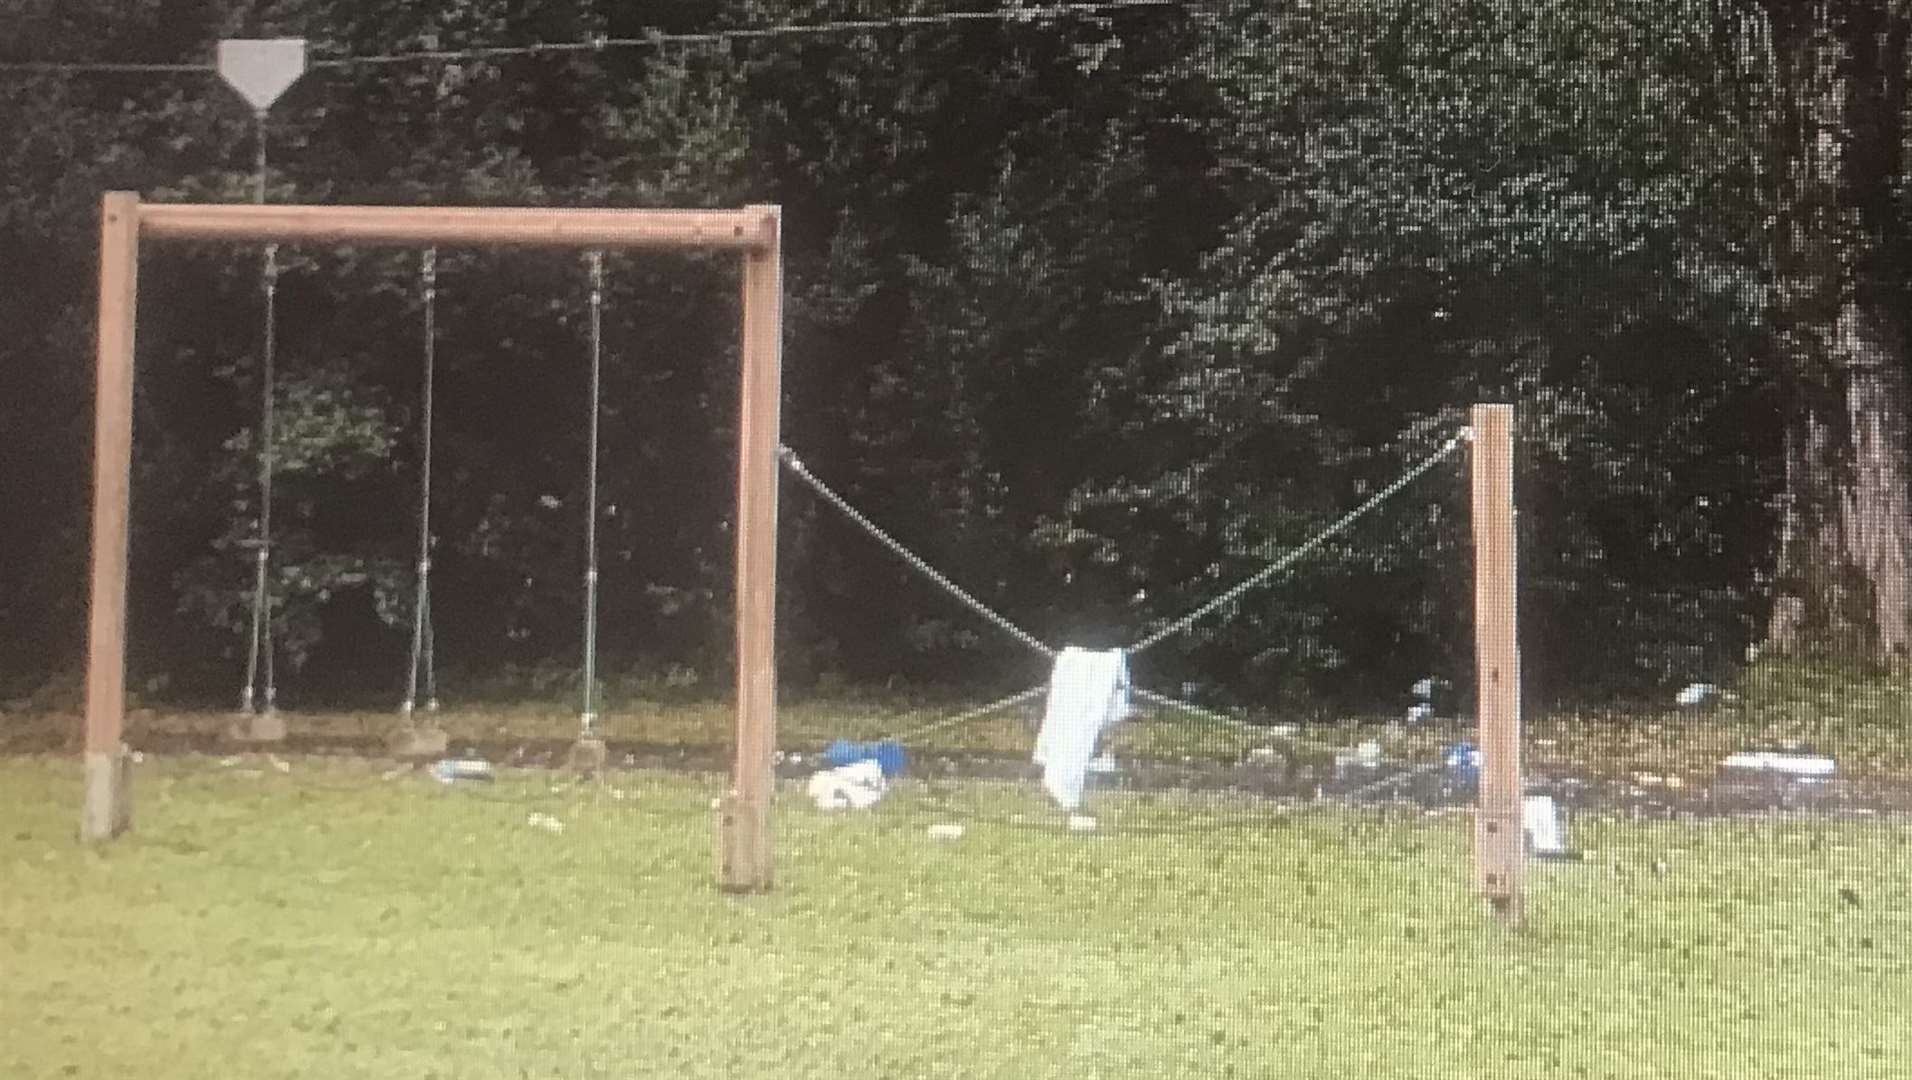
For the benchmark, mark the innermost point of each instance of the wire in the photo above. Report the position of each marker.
(82, 67)
(1042, 13)
(1039, 13)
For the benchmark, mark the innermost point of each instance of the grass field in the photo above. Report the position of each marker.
(335, 920)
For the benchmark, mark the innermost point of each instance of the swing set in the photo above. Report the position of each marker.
(752, 232)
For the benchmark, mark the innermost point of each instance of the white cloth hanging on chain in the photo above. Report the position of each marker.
(1088, 694)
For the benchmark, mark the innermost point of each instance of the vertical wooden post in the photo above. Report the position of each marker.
(1499, 841)
(106, 809)
(744, 853)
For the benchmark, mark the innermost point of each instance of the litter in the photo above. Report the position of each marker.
(1785, 763)
(544, 821)
(1420, 713)
(888, 755)
(856, 786)
(1463, 760)
(452, 770)
(1081, 823)
(1540, 820)
(945, 832)
(1104, 765)
(1699, 693)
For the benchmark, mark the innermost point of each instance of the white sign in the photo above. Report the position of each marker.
(261, 69)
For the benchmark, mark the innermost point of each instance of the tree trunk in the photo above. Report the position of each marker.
(1846, 528)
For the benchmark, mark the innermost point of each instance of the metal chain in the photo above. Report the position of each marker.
(916, 562)
(1294, 556)
(423, 661)
(587, 716)
(259, 650)
(259, 653)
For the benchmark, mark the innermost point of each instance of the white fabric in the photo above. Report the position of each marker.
(1088, 693)
(1774, 761)
(856, 786)
(1542, 825)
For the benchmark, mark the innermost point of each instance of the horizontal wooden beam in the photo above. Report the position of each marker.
(751, 229)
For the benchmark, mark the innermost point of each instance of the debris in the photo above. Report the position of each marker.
(1699, 693)
(280, 764)
(1463, 760)
(452, 770)
(138, 758)
(395, 773)
(539, 820)
(1786, 763)
(1540, 821)
(1081, 823)
(1427, 687)
(888, 755)
(1262, 755)
(1284, 731)
(228, 762)
(1420, 713)
(1103, 765)
(856, 786)
(945, 832)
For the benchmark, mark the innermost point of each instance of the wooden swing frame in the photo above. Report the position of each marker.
(754, 232)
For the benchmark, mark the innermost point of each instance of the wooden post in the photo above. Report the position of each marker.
(1499, 842)
(106, 809)
(744, 855)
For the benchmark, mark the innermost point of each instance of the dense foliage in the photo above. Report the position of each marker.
(1096, 313)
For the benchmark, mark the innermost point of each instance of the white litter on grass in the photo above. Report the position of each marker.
(281, 765)
(1541, 822)
(1081, 823)
(1262, 755)
(1420, 713)
(1700, 693)
(228, 762)
(138, 758)
(538, 820)
(945, 832)
(1788, 764)
(856, 786)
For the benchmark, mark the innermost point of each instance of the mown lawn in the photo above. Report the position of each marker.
(333, 920)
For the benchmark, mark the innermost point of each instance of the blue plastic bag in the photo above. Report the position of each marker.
(887, 754)
(1463, 762)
